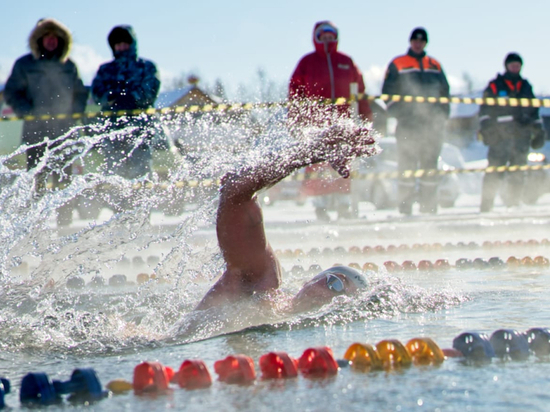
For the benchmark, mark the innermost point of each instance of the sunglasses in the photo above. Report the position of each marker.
(335, 284)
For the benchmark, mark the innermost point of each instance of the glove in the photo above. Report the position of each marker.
(523, 118)
(538, 137)
(488, 137)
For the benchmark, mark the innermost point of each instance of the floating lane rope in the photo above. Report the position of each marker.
(315, 362)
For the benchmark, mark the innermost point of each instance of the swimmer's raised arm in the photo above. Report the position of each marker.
(338, 145)
(251, 264)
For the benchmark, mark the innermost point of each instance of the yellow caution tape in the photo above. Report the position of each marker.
(225, 107)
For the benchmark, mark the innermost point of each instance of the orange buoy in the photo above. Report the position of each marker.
(393, 353)
(408, 265)
(442, 264)
(425, 265)
(513, 261)
(424, 351)
(392, 266)
(370, 266)
(527, 261)
(363, 357)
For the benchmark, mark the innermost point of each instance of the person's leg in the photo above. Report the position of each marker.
(34, 155)
(407, 160)
(64, 212)
(518, 156)
(497, 156)
(430, 142)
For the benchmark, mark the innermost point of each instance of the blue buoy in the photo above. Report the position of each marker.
(538, 340)
(37, 388)
(475, 346)
(5, 387)
(117, 280)
(75, 282)
(463, 264)
(510, 343)
(84, 385)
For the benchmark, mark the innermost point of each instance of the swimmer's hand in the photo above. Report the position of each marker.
(340, 145)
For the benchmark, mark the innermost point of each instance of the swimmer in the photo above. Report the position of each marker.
(251, 265)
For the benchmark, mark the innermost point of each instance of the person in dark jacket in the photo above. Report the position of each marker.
(45, 82)
(420, 126)
(508, 131)
(326, 73)
(127, 83)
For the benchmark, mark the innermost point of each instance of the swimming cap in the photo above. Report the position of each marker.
(351, 274)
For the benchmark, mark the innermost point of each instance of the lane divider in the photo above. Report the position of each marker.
(471, 348)
(380, 250)
(389, 266)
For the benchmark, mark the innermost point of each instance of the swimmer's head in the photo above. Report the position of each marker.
(338, 280)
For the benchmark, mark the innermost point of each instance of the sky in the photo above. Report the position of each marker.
(231, 40)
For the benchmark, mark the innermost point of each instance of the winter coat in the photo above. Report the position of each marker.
(42, 83)
(128, 82)
(325, 74)
(416, 75)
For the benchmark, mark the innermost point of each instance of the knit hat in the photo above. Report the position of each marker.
(119, 35)
(419, 34)
(513, 57)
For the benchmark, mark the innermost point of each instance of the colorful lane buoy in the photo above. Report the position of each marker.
(278, 365)
(318, 362)
(5, 388)
(84, 385)
(151, 377)
(37, 388)
(363, 357)
(393, 354)
(538, 340)
(236, 369)
(508, 343)
(424, 351)
(192, 374)
(118, 386)
(474, 346)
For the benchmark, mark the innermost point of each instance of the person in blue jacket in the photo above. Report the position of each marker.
(127, 83)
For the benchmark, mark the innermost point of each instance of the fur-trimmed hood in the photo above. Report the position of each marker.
(45, 26)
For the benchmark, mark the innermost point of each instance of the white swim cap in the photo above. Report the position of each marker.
(351, 274)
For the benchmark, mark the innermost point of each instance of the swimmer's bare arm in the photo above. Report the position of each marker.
(251, 263)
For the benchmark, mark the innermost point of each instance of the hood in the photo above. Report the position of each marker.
(320, 47)
(123, 33)
(48, 25)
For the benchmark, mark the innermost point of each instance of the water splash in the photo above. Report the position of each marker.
(36, 258)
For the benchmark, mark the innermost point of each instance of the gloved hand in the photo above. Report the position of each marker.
(487, 133)
(523, 118)
(488, 137)
(538, 136)
(486, 124)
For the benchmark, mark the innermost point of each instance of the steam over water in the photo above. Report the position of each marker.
(150, 225)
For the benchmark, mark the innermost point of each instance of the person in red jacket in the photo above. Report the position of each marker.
(325, 74)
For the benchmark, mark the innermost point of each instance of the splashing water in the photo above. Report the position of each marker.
(40, 313)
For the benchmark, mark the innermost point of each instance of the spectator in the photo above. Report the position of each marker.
(508, 131)
(45, 82)
(325, 74)
(127, 83)
(420, 126)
